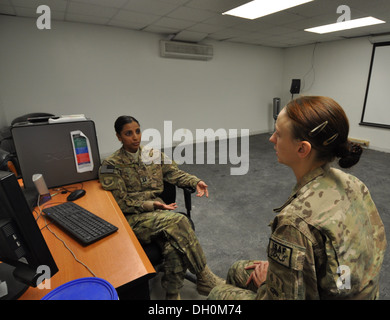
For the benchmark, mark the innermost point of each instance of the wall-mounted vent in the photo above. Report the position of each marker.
(185, 50)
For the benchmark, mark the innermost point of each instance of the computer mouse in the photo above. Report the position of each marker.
(76, 195)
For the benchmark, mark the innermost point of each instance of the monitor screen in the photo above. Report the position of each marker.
(22, 245)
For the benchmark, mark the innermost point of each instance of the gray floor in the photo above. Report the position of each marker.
(232, 223)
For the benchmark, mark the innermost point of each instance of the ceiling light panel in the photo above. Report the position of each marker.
(345, 25)
(260, 8)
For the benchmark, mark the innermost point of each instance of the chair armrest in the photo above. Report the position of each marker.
(8, 162)
(188, 189)
(4, 157)
(187, 198)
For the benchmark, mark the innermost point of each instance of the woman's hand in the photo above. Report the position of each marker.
(258, 275)
(201, 189)
(163, 206)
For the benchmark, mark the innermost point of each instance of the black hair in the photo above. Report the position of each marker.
(349, 154)
(121, 121)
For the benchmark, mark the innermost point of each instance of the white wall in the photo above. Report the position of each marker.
(3, 121)
(340, 70)
(104, 72)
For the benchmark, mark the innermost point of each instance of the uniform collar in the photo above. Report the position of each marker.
(129, 157)
(310, 176)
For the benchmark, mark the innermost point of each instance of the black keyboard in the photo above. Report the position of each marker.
(81, 224)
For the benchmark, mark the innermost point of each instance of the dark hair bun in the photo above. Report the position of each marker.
(351, 156)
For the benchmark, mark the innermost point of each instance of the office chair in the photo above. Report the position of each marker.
(32, 117)
(7, 144)
(8, 162)
(152, 250)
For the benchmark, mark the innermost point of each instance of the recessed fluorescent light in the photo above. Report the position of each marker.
(259, 8)
(350, 24)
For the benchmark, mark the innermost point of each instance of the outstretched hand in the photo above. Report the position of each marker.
(163, 206)
(201, 189)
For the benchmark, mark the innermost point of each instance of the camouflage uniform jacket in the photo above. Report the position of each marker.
(137, 181)
(327, 242)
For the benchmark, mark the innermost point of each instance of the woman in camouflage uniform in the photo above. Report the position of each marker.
(327, 241)
(135, 174)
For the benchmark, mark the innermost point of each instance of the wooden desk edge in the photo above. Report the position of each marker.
(147, 270)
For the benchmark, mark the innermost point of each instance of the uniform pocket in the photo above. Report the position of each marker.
(275, 286)
(155, 176)
(131, 178)
(285, 276)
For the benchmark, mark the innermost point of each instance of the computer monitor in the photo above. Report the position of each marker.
(25, 258)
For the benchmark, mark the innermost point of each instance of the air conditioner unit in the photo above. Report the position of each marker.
(185, 50)
(379, 38)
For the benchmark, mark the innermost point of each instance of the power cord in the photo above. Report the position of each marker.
(63, 242)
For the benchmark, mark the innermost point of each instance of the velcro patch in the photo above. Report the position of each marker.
(280, 253)
(107, 169)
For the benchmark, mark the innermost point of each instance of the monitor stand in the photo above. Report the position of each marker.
(15, 288)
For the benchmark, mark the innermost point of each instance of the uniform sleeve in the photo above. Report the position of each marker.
(172, 174)
(111, 180)
(291, 273)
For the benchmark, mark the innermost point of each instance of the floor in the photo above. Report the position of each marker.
(232, 223)
(188, 292)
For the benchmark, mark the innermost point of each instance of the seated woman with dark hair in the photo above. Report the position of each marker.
(135, 175)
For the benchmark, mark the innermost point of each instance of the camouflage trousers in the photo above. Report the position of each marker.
(180, 247)
(235, 287)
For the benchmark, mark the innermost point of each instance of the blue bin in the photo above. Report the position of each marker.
(89, 288)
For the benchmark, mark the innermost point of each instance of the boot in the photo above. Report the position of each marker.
(172, 296)
(206, 280)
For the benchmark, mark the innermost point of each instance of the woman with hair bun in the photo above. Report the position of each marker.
(327, 240)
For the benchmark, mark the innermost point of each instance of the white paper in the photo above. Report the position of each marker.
(82, 151)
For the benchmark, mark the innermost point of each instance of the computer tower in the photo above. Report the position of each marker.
(49, 149)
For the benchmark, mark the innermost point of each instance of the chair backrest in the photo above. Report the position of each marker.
(169, 193)
(8, 162)
(33, 115)
(7, 143)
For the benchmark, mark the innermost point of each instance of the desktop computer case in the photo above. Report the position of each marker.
(47, 148)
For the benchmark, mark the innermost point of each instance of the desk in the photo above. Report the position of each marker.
(118, 258)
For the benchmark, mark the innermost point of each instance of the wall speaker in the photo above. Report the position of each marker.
(276, 107)
(295, 86)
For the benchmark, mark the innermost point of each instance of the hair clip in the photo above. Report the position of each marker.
(330, 140)
(318, 129)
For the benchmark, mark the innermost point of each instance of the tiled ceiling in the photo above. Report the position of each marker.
(199, 20)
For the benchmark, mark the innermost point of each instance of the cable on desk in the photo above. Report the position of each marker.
(40, 211)
(39, 206)
(68, 189)
(63, 242)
